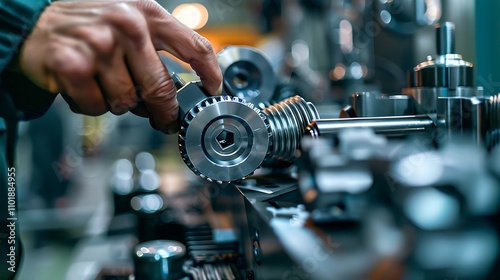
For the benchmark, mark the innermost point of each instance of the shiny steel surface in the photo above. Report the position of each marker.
(375, 104)
(288, 120)
(247, 74)
(426, 97)
(401, 125)
(445, 38)
(159, 260)
(493, 135)
(224, 138)
(443, 76)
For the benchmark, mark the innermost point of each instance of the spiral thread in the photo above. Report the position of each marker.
(288, 120)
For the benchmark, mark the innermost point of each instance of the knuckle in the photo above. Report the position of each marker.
(202, 45)
(120, 8)
(77, 71)
(102, 41)
(150, 7)
(122, 103)
(161, 91)
(63, 62)
(128, 20)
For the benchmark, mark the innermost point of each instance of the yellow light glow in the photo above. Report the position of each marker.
(193, 15)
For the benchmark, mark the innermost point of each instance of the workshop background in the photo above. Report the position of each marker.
(71, 178)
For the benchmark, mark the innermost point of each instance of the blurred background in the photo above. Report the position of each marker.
(73, 169)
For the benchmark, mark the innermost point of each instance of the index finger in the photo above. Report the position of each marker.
(168, 34)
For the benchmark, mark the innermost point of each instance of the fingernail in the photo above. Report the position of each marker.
(52, 84)
(219, 91)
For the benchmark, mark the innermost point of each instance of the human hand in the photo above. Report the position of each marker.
(102, 55)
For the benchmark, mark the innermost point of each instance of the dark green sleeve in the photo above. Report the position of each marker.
(19, 97)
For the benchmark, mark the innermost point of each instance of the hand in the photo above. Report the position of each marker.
(102, 55)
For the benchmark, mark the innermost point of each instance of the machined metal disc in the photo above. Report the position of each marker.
(224, 138)
(247, 74)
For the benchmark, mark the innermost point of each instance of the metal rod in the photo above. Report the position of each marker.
(394, 126)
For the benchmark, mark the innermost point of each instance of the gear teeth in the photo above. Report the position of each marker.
(200, 107)
(183, 130)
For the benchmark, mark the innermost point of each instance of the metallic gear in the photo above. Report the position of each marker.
(225, 138)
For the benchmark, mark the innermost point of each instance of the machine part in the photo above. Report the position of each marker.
(333, 181)
(213, 272)
(445, 38)
(374, 104)
(213, 254)
(387, 194)
(159, 260)
(348, 112)
(149, 209)
(446, 75)
(225, 138)
(288, 121)
(247, 74)
(480, 116)
(393, 126)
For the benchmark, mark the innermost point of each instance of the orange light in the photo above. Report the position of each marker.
(338, 72)
(193, 15)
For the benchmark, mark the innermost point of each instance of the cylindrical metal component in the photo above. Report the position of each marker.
(445, 38)
(225, 138)
(375, 104)
(247, 74)
(159, 260)
(149, 209)
(445, 75)
(394, 126)
(476, 119)
(288, 121)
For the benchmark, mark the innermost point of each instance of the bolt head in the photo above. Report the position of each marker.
(225, 139)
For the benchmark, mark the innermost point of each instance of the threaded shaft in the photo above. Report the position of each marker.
(288, 120)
